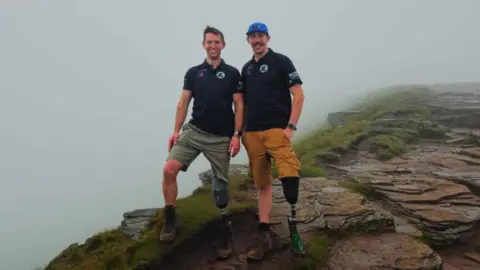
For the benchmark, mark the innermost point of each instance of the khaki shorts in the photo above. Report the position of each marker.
(193, 141)
(260, 146)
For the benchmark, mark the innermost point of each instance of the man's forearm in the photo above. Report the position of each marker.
(297, 106)
(180, 116)
(239, 115)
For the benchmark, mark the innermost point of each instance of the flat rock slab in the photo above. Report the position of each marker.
(384, 251)
(324, 204)
(445, 210)
(135, 222)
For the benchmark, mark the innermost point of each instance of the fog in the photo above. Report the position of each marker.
(89, 88)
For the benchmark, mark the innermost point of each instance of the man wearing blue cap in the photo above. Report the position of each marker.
(268, 80)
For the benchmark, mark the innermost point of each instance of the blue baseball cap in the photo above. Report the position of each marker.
(257, 27)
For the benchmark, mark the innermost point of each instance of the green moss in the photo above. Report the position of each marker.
(364, 189)
(311, 171)
(112, 249)
(317, 254)
(393, 116)
(388, 146)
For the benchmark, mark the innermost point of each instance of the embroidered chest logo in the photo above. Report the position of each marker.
(263, 68)
(201, 73)
(249, 70)
(220, 75)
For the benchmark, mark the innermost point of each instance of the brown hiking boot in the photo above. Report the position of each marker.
(263, 243)
(225, 248)
(169, 230)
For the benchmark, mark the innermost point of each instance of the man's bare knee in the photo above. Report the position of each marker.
(172, 168)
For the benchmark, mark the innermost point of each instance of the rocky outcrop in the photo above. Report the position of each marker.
(338, 118)
(136, 222)
(385, 251)
(404, 185)
(325, 205)
(234, 169)
(445, 211)
(457, 109)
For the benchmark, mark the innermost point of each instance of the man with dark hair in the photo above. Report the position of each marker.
(214, 130)
(269, 79)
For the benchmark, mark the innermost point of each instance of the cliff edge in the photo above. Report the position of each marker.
(392, 183)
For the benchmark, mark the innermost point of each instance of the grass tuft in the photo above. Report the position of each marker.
(112, 249)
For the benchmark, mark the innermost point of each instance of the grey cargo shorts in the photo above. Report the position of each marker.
(193, 141)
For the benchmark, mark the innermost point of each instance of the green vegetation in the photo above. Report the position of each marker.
(365, 189)
(317, 254)
(388, 121)
(112, 249)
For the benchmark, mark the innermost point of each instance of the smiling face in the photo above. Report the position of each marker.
(258, 41)
(213, 45)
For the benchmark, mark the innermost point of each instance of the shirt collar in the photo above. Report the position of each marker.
(222, 65)
(269, 53)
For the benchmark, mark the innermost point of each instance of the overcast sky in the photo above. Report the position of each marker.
(89, 88)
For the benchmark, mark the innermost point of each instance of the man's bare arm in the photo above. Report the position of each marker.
(182, 109)
(297, 103)
(239, 109)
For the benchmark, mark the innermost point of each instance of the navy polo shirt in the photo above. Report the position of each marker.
(212, 92)
(266, 87)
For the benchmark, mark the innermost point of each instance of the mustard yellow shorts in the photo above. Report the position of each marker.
(260, 146)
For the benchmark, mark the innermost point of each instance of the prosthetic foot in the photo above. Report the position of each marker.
(290, 190)
(297, 244)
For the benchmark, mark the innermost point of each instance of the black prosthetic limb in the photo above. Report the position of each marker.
(290, 190)
(220, 194)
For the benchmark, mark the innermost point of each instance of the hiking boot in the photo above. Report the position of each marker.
(225, 247)
(169, 230)
(263, 243)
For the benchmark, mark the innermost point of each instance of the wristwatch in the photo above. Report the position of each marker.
(292, 126)
(237, 133)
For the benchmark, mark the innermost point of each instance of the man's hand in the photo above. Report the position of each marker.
(173, 140)
(234, 146)
(288, 132)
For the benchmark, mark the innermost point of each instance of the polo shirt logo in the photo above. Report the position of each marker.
(249, 70)
(263, 68)
(220, 75)
(201, 73)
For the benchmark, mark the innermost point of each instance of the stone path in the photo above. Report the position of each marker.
(325, 205)
(432, 186)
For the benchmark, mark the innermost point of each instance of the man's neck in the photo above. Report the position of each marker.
(214, 62)
(257, 57)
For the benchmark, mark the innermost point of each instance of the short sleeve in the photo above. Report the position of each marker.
(241, 81)
(290, 72)
(188, 79)
(237, 82)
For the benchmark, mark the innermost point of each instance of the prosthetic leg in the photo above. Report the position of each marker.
(290, 190)
(220, 194)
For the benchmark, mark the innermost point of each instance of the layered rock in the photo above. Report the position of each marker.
(325, 205)
(385, 251)
(418, 185)
(234, 169)
(457, 109)
(135, 222)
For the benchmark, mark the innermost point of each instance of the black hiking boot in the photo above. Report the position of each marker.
(169, 230)
(263, 243)
(225, 247)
